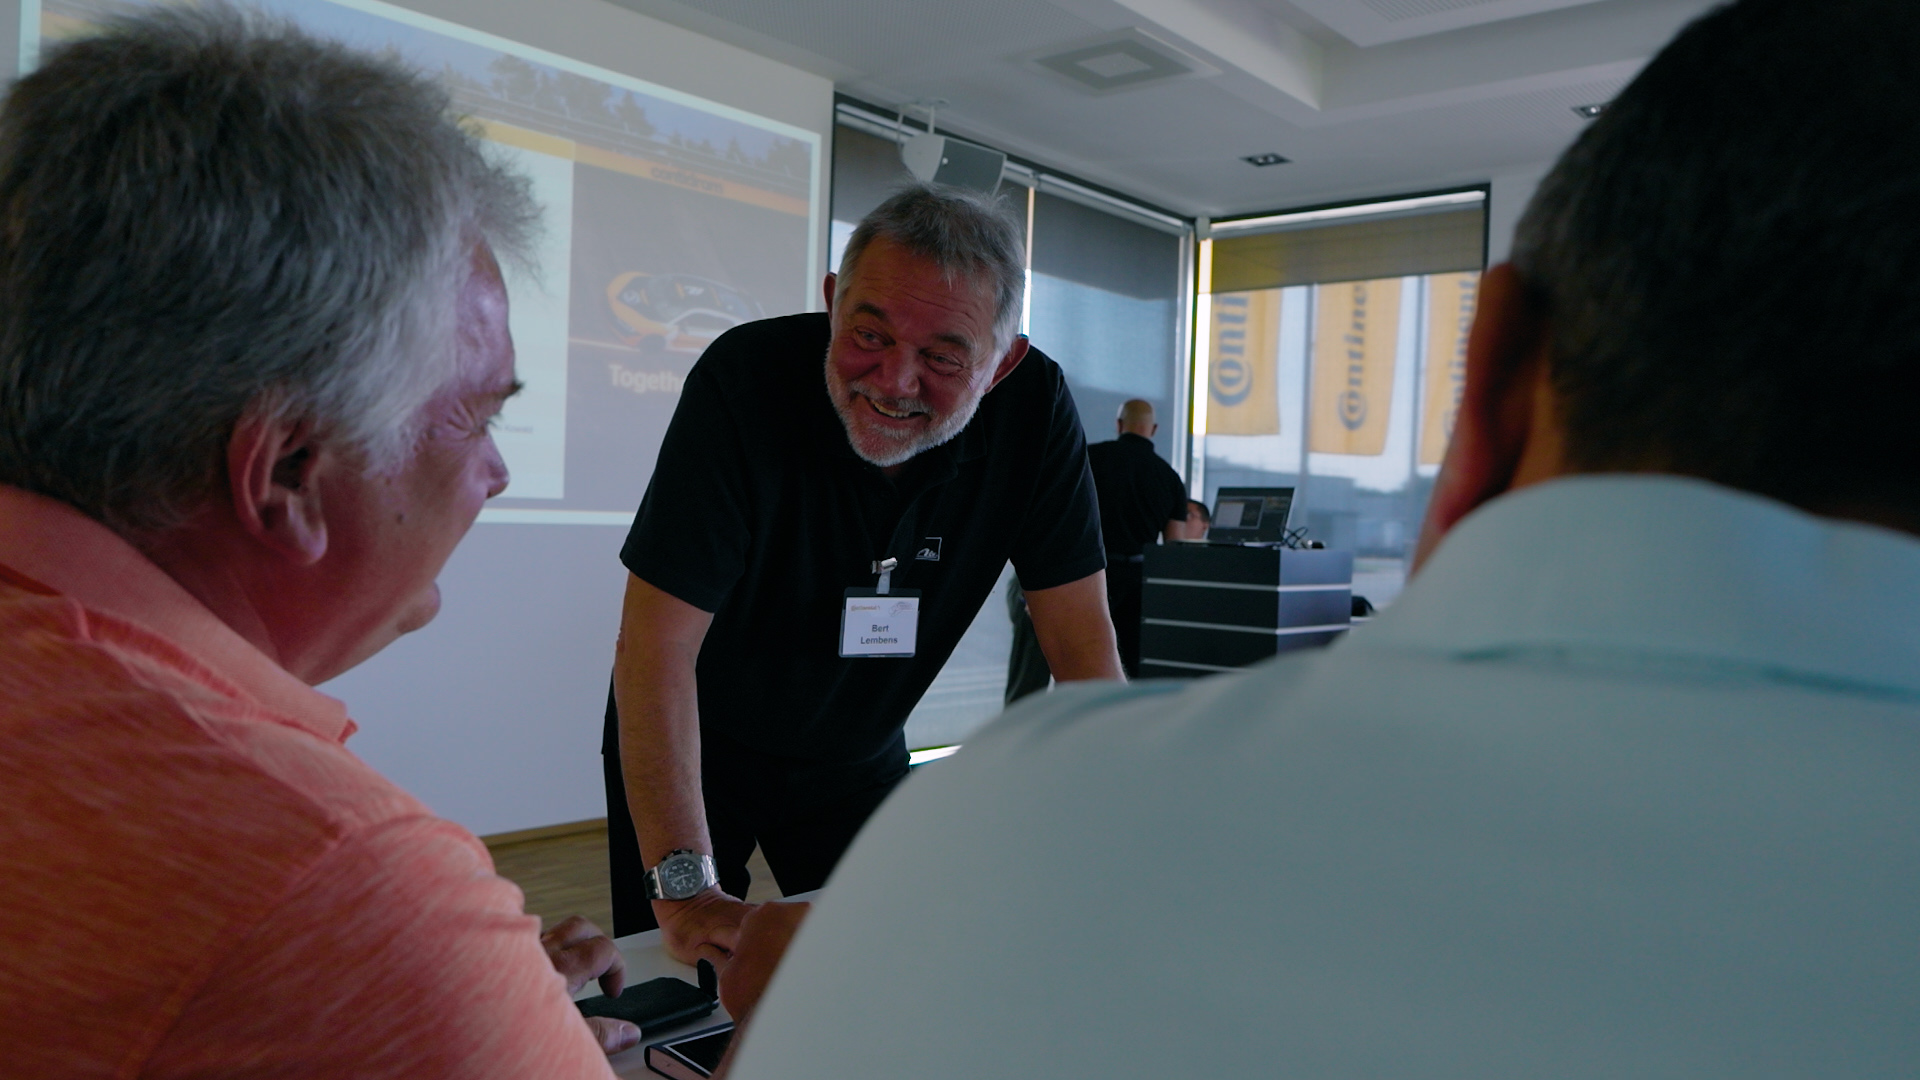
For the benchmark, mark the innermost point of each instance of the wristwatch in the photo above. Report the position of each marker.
(680, 875)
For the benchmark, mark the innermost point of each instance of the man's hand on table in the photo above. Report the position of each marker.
(704, 927)
(763, 940)
(582, 954)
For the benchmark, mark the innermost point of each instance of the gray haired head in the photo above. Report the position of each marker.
(970, 237)
(210, 215)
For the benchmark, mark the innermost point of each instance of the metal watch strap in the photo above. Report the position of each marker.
(710, 872)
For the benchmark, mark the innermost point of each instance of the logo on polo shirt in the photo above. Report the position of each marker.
(929, 550)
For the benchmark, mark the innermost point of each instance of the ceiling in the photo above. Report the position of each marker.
(1363, 97)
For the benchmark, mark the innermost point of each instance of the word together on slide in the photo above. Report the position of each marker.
(645, 382)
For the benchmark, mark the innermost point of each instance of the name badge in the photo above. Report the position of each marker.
(872, 624)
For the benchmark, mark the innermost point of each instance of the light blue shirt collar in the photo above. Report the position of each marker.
(1667, 571)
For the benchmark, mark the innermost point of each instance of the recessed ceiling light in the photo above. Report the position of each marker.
(1588, 112)
(1115, 66)
(1119, 61)
(1264, 160)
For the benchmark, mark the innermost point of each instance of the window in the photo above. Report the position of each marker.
(1333, 358)
(1105, 306)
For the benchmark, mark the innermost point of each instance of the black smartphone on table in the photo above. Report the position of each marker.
(657, 1003)
(660, 1003)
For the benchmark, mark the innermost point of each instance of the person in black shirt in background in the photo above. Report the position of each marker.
(1141, 498)
(752, 705)
(1197, 523)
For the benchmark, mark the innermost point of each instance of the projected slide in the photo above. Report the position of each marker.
(669, 219)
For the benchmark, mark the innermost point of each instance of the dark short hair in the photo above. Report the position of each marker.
(211, 214)
(1731, 293)
(1205, 514)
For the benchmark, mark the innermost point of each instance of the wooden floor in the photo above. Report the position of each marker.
(563, 871)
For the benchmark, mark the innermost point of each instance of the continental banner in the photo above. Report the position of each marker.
(1356, 335)
(1243, 349)
(1450, 302)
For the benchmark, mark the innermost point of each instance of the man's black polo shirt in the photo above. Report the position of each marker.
(1139, 493)
(760, 512)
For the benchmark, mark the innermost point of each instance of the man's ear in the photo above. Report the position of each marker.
(826, 292)
(1010, 361)
(1507, 357)
(272, 475)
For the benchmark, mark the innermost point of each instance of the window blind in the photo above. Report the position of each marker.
(1315, 253)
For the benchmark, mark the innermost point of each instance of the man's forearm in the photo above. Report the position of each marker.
(1087, 659)
(655, 691)
(1075, 631)
(660, 749)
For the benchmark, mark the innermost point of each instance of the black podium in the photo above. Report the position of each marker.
(1209, 608)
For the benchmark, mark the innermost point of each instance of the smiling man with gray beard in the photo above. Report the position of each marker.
(811, 549)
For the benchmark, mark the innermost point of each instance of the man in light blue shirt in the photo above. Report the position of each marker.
(1627, 783)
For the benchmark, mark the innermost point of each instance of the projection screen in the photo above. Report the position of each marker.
(669, 219)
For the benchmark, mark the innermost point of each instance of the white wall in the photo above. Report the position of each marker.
(1506, 200)
(9, 38)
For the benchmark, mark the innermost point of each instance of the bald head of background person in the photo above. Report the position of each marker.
(253, 338)
(1136, 418)
(1622, 784)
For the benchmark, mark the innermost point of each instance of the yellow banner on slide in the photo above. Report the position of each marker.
(1355, 337)
(1242, 354)
(646, 168)
(1450, 303)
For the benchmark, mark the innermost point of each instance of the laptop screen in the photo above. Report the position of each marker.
(1248, 514)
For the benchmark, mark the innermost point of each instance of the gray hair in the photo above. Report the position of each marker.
(211, 215)
(966, 234)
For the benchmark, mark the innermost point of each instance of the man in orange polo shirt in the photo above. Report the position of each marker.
(252, 335)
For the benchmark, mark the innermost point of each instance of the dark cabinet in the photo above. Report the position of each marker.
(1208, 608)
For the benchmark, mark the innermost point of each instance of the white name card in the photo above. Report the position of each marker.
(879, 625)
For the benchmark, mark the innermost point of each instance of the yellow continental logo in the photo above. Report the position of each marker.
(1450, 303)
(1356, 335)
(1243, 347)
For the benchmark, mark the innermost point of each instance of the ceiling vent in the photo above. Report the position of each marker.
(1122, 61)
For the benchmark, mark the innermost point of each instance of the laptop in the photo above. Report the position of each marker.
(1250, 515)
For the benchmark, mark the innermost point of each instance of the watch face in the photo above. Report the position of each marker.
(680, 876)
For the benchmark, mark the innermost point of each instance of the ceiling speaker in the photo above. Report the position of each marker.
(941, 159)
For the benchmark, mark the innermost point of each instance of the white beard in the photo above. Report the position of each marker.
(886, 448)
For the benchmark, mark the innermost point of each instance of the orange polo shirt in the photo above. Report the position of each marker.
(197, 878)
